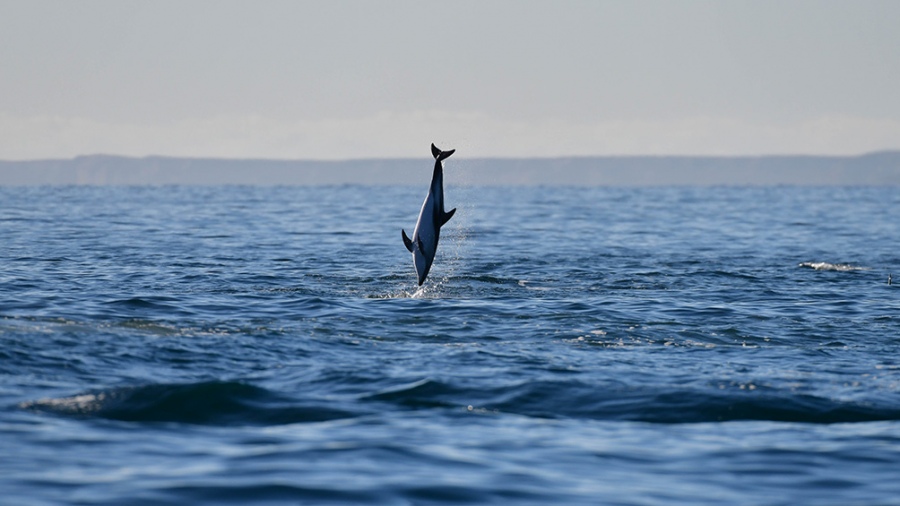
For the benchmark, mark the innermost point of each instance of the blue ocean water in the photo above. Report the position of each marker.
(269, 345)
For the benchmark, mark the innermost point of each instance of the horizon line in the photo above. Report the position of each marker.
(496, 157)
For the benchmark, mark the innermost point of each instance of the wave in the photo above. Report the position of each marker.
(240, 404)
(143, 302)
(204, 403)
(547, 399)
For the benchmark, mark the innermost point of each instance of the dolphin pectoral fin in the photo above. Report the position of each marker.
(446, 217)
(421, 246)
(406, 241)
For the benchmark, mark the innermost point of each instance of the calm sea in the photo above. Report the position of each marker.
(256, 345)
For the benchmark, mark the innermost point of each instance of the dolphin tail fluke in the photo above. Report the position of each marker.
(406, 241)
(440, 155)
(447, 216)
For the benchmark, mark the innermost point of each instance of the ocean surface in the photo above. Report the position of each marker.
(627, 346)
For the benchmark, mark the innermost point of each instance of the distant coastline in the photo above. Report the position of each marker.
(879, 168)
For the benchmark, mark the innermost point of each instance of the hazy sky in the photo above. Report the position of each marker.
(335, 79)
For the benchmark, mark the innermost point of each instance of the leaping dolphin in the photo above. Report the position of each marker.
(432, 217)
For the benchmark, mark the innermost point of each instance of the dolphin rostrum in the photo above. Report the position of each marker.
(432, 217)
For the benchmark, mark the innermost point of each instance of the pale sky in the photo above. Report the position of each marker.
(344, 80)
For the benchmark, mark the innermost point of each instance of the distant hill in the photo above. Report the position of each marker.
(882, 168)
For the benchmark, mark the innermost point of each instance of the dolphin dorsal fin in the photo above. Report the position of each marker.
(446, 217)
(406, 241)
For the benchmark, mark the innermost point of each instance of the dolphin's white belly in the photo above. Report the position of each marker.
(425, 233)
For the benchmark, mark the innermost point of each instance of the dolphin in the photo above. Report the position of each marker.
(432, 217)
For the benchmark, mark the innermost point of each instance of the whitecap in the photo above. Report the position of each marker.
(826, 266)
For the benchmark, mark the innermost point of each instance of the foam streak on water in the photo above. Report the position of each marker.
(571, 346)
